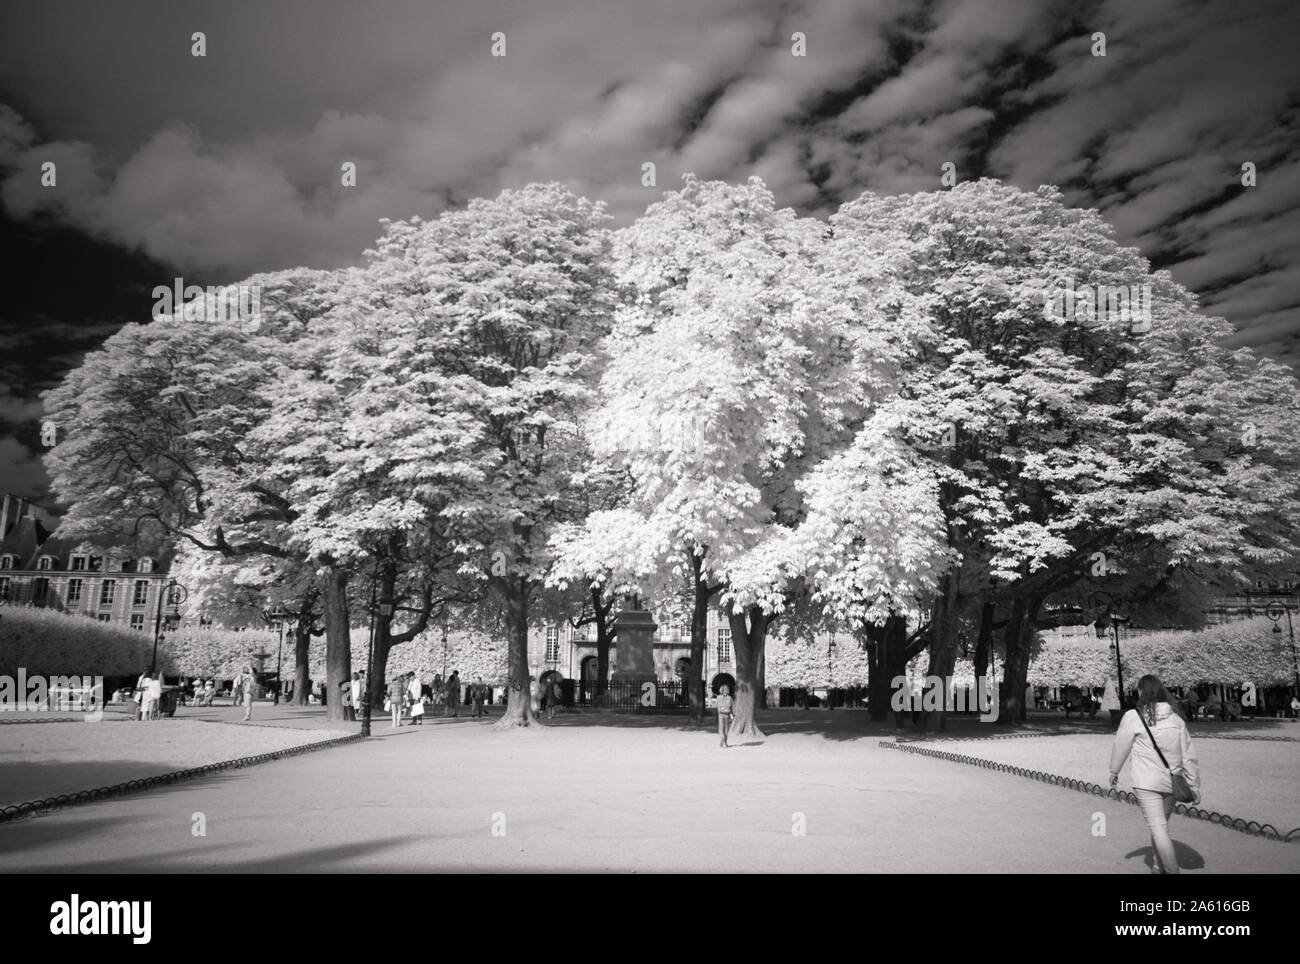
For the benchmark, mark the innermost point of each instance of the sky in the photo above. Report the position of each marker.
(213, 168)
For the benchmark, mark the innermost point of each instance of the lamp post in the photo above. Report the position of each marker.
(277, 617)
(1111, 621)
(174, 594)
(370, 657)
(1274, 612)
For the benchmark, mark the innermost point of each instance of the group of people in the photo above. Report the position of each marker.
(203, 692)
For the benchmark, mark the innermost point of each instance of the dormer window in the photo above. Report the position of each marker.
(7, 562)
(144, 565)
(78, 563)
(45, 563)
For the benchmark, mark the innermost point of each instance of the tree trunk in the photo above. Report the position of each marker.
(302, 645)
(383, 637)
(519, 703)
(701, 594)
(984, 643)
(602, 642)
(1019, 633)
(748, 635)
(301, 655)
(887, 660)
(338, 645)
(943, 648)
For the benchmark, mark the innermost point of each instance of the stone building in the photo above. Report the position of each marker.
(113, 580)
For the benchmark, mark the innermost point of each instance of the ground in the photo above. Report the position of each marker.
(623, 793)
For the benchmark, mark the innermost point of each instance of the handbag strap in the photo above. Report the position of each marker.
(1138, 711)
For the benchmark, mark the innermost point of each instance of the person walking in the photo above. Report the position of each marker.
(1157, 739)
(453, 692)
(478, 692)
(396, 693)
(345, 697)
(358, 690)
(248, 682)
(552, 695)
(726, 712)
(439, 691)
(415, 691)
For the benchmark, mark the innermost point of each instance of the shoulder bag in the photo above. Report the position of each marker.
(1183, 791)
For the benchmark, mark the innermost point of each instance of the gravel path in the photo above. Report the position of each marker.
(625, 794)
(1253, 779)
(62, 757)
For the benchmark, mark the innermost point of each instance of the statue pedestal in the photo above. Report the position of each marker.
(634, 647)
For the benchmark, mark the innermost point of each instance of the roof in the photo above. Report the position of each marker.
(23, 541)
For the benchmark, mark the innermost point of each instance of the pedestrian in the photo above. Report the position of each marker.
(142, 688)
(535, 694)
(1295, 707)
(479, 692)
(358, 691)
(552, 695)
(439, 691)
(209, 692)
(415, 689)
(139, 694)
(726, 712)
(396, 693)
(453, 692)
(1157, 739)
(243, 691)
(155, 696)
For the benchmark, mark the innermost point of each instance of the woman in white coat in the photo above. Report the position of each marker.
(1155, 718)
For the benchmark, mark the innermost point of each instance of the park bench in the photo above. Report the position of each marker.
(1081, 706)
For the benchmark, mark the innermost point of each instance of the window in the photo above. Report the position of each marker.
(106, 590)
(4, 588)
(105, 617)
(78, 563)
(724, 645)
(137, 622)
(74, 590)
(6, 562)
(580, 633)
(141, 595)
(144, 565)
(45, 563)
(96, 563)
(552, 645)
(40, 590)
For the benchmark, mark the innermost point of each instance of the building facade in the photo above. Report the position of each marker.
(95, 577)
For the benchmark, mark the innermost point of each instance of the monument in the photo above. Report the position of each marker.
(634, 651)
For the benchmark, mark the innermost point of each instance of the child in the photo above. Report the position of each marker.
(725, 710)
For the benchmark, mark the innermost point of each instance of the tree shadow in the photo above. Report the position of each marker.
(1188, 857)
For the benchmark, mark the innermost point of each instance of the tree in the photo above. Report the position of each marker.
(161, 429)
(1062, 441)
(507, 302)
(732, 376)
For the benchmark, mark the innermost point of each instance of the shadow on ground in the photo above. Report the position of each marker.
(1188, 857)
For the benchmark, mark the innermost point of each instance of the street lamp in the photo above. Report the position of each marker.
(277, 617)
(1106, 621)
(175, 594)
(1274, 612)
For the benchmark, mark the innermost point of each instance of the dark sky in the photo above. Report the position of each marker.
(214, 168)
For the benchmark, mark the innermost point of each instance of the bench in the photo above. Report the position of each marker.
(1088, 706)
